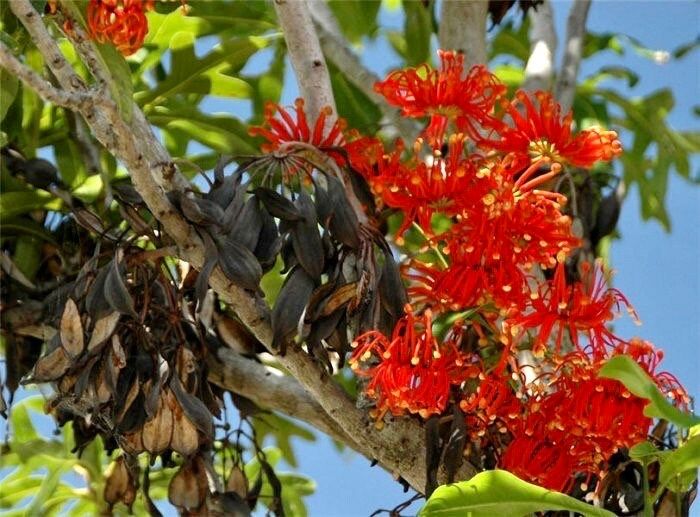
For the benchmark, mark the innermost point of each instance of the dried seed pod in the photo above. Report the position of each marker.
(103, 329)
(72, 338)
(188, 488)
(120, 484)
(247, 225)
(306, 240)
(289, 306)
(49, 367)
(239, 264)
(278, 205)
(157, 433)
(115, 290)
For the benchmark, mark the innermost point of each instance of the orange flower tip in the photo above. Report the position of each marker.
(408, 309)
(436, 354)
(386, 355)
(507, 288)
(415, 361)
(400, 241)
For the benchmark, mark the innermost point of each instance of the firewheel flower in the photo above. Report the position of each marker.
(502, 230)
(582, 308)
(282, 126)
(542, 134)
(122, 23)
(422, 188)
(580, 420)
(409, 371)
(444, 95)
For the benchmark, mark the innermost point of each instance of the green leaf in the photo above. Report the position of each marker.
(686, 49)
(418, 29)
(70, 163)
(626, 370)
(512, 42)
(357, 18)
(598, 42)
(27, 255)
(497, 492)
(190, 74)
(353, 105)
(282, 430)
(9, 85)
(685, 458)
(607, 73)
(643, 450)
(15, 203)
(222, 133)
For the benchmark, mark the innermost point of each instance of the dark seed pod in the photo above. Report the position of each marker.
(269, 242)
(290, 305)
(239, 264)
(247, 225)
(391, 288)
(278, 205)
(344, 225)
(115, 290)
(305, 238)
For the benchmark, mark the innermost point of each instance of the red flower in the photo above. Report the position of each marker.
(585, 307)
(422, 188)
(493, 404)
(543, 135)
(411, 371)
(444, 95)
(122, 23)
(539, 461)
(288, 128)
(580, 420)
(503, 228)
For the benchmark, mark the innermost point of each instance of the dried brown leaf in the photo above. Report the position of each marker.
(104, 327)
(49, 367)
(237, 482)
(71, 329)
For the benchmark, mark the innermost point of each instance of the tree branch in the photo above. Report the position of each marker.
(337, 49)
(76, 100)
(543, 46)
(269, 388)
(565, 88)
(31, 19)
(463, 28)
(305, 54)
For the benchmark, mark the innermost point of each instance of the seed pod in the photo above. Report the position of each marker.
(306, 240)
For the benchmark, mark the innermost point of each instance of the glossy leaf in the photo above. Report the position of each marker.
(498, 492)
(626, 370)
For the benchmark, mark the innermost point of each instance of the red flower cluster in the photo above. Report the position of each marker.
(122, 23)
(487, 170)
(411, 371)
(579, 420)
(585, 307)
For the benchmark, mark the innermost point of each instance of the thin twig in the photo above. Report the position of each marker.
(31, 19)
(543, 45)
(463, 28)
(565, 88)
(76, 100)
